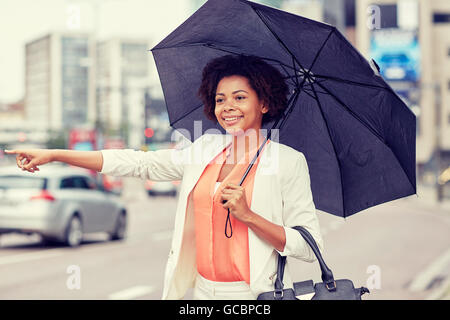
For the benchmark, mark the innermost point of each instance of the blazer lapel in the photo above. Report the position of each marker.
(259, 250)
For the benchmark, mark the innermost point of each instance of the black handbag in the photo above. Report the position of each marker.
(329, 289)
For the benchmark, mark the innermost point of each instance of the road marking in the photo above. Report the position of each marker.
(30, 256)
(131, 293)
(424, 278)
(441, 293)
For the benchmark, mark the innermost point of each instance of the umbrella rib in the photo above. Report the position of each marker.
(347, 81)
(307, 88)
(180, 46)
(321, 48)
(209, 45)
(389, 89)
(184, 115)
(352, 113)
(279, 40)
(351, 82)
(290, 78)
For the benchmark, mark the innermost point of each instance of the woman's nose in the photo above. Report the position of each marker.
(229, 105)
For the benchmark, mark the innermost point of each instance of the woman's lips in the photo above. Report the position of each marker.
(232, 122)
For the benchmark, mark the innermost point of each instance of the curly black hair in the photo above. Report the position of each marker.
(265, 79)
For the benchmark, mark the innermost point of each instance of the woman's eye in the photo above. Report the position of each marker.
(240, 97)
(219, 100)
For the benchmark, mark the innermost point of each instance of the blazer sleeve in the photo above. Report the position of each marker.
(159, 165)
(299, 210)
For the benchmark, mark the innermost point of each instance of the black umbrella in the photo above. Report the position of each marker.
(357, 135)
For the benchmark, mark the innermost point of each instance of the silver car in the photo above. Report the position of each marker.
(59, 202)
(156, 188)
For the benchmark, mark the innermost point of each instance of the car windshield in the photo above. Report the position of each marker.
(19, 182)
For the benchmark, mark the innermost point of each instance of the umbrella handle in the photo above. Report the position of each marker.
(228, 222)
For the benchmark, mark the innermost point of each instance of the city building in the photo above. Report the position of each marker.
(124, 75)
(59, 80)
(311, 9)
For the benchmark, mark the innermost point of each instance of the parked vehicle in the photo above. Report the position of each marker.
(59, 202)
(155, 188)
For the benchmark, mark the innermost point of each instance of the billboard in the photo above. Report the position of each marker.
(397, 53)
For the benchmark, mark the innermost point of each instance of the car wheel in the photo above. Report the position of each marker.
(74, 232)
(121, 227)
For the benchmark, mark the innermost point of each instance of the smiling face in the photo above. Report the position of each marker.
(237, 105)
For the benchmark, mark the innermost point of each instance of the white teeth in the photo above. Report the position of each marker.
(231, 119)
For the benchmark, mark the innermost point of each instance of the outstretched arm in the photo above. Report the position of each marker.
(30, 159)
(92, 160)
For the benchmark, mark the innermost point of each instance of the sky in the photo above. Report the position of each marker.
(24, 20)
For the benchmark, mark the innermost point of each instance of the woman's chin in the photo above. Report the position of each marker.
(235, 131)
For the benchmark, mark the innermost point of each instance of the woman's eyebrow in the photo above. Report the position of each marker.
(221, 94)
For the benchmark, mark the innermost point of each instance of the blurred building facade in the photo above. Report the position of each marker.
(429, 97)
(71, 81)
(123, 79)
(12, 112)
(59, 80)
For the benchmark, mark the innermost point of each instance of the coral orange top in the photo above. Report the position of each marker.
(220, 258)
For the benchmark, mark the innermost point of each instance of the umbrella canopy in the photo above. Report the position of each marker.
(357, 135)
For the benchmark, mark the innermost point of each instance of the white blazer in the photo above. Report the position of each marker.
(281, 194)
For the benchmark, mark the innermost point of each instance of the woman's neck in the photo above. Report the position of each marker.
(242, 144)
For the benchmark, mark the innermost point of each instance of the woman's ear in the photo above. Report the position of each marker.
(264, 109)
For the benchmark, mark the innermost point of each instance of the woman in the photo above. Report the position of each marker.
(221, 255)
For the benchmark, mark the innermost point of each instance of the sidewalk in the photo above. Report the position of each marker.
(426, 198)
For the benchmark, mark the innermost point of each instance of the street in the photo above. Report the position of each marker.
(400, 250)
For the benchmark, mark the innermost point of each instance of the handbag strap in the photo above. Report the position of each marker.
(327, 274)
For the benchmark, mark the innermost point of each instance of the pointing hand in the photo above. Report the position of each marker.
(29, 159)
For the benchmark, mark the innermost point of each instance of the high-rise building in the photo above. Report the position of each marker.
(123, 77)
(59, 80)
(311, 9)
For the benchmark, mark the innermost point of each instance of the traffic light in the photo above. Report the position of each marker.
(148, 134)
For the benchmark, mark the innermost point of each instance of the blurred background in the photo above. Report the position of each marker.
(78, 74)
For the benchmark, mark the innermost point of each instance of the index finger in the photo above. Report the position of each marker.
(232, 185)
